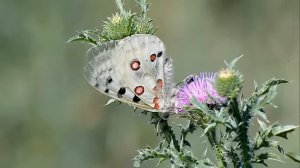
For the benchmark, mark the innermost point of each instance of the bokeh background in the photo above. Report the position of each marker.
(50, 117)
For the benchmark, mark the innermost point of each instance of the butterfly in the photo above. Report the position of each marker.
(134, 70)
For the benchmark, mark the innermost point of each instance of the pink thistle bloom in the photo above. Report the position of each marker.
(199, 87)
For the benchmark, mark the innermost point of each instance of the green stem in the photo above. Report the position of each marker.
(242, 132)
(220, 153)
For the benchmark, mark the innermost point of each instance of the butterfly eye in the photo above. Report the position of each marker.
(139, 90)
(152, 57)
(135, 64)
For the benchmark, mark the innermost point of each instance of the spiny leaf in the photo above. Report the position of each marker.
(260, 113)
(181, 158)
(234, 157)
(233, 62)
(120, 5)
(262, 124)
(209, 127)
(293, 156)
(268, 85)
(83, 37)
(205, 110)
(130, 24)
(109, 102)
(255, 86)
(190, 128)
(144, 7)
(282, 131)
(201, 106)
(266, 156)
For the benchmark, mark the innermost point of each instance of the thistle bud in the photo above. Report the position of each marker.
(229, 83)
(115, 19)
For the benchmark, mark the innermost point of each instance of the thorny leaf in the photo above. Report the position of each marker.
(293, 156)
(282, 131)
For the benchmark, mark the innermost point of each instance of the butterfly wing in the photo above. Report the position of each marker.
(134, 70)
(141, 61)
(99, 72)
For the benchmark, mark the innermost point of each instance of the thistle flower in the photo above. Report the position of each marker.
(200, 87)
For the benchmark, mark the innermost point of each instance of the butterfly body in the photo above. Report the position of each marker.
(134, 70)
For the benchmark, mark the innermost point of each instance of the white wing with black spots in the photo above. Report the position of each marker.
(134, 70)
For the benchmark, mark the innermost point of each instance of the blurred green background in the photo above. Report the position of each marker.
(50, 117)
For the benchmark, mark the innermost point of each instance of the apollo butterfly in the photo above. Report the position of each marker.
(134, 70)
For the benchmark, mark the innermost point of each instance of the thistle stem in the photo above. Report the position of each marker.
(220, 154)
(242, 132)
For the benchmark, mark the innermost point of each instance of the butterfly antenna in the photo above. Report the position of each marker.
(178, 84)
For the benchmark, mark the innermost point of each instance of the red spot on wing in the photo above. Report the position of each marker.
(159, 83)
(135, 64)
(152, 57)
(156, 106)
(139, 90)
(155, 99)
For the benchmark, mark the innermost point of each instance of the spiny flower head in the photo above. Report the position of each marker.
(229, 83)
(122, 24)
(115, 19)
(118, 26)
(200, 87)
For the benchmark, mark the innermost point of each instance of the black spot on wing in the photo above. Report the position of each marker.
(167, 60)
(159, 54)
(106, 91)
(121, 92)
(108, 80)
(97, 85)
(136, 99)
